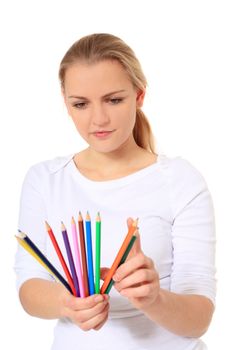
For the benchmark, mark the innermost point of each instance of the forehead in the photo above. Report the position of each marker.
(101, 76)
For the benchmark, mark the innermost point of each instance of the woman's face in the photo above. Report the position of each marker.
(102, 102)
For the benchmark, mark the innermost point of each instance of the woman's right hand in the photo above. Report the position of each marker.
(87, 313)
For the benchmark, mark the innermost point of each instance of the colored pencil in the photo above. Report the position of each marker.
(61, 258)
(77, 258)
(83, 254)
(89, 255)
(70, 258)
(97, 254)
(24, 244)
(22, 237)
(119, 256)
(122, 261)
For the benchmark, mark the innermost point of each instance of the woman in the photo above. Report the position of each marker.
(164, 293)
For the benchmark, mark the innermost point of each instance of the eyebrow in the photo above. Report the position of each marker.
(107, 95)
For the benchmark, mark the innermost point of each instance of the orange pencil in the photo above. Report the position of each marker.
(119, 256)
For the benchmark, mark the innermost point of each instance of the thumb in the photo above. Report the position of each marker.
(136, 248)
(129, 222)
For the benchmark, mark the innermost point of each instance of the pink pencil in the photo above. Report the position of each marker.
(77, 258)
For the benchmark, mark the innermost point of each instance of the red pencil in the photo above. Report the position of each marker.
(61, 258)
(83, 254)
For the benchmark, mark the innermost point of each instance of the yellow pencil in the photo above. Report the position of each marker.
(27, 243)
(30, 251)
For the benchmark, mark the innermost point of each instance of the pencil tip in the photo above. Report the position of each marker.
(21, 235)
(47, 225)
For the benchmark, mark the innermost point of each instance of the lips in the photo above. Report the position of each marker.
(102, 133)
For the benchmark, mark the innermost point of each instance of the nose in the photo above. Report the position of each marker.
(99, 116)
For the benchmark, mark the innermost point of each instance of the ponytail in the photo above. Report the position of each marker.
(142, 132)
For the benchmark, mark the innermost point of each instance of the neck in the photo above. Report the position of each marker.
(123, 155)
(127, 159)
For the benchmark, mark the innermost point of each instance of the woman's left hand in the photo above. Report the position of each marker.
(137, 278)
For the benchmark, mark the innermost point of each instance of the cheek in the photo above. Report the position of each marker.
(129, 118)
(126, 115)
(81, 125)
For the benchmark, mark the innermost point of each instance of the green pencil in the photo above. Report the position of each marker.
(97, 254)
(124, 257)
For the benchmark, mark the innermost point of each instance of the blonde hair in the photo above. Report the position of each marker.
(98, 47)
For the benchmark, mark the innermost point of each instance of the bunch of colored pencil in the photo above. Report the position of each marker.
(80, 278)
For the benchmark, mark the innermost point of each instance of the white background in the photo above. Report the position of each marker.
(186, 50)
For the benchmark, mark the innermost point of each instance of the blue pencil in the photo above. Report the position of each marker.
(89, 256)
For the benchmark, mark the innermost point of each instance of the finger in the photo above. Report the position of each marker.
(130, 222)
(101, 323)
(136, 248)
(139, 277)
(87, 314)
(144, 290)
(96, 320)
(136, 262)
(84, 303)
(81, 316)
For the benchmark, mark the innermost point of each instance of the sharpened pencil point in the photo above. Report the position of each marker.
(47, 225)
(63, 228)
(21, 235)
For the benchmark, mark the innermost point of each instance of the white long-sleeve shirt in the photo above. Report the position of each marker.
(177, 230)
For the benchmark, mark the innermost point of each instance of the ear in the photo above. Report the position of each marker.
(140, 98)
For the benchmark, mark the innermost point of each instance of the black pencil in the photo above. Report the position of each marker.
(24, 237)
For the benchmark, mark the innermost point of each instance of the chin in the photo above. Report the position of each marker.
(105, 148)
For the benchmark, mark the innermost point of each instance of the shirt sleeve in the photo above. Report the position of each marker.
(32, 215)
(193, 233)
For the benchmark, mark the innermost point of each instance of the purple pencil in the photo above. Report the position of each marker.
(77, 258)
(70, 258)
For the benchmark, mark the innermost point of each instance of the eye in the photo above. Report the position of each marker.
(80, 105)
(115, 101)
